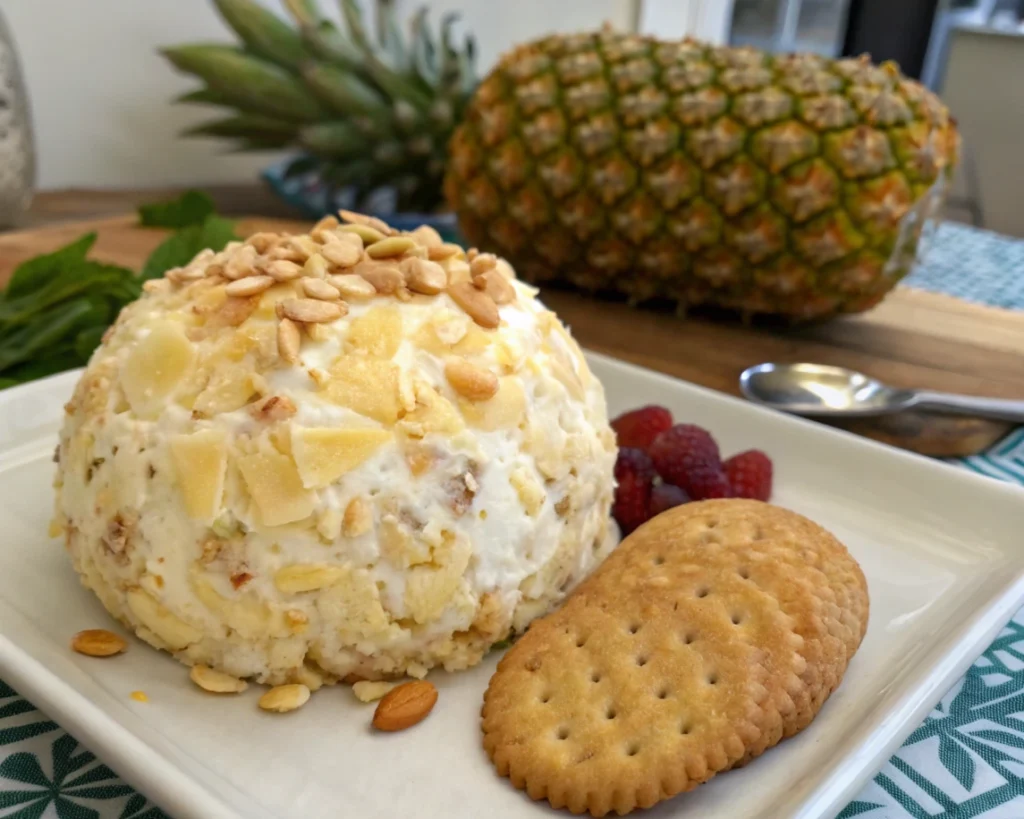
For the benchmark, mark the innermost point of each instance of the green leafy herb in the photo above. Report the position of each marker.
(179, 248)
(191, 208)
(56, 307)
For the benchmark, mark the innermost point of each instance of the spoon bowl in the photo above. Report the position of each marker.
(821, 390)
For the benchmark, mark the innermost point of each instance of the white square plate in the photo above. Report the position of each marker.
(942, 550)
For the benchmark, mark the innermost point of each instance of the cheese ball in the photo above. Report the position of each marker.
(351, 454)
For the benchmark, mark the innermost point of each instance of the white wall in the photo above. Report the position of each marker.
(101, 94)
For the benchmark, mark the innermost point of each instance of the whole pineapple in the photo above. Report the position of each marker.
(368, 113)
(791, 185)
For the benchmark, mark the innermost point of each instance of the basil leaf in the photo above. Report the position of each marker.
(35, 273)
(191, 208)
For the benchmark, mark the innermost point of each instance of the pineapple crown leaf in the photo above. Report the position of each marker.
(263, 32)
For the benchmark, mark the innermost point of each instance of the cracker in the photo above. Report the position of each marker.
(711, 633)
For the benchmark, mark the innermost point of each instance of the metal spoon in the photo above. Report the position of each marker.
(820, 390)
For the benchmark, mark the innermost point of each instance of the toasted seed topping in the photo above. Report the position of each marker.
(249, 286)
(311, 310)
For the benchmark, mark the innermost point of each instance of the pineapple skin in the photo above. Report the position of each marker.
(766, 184)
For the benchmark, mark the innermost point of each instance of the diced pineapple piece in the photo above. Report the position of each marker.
(504, 411)
(230, 388)
(378, 332)
(201, 460)
(160, 621)
(354, 602)
(531, 493)
(433, 413)
(251, 617)
(547, 445)
(324, 454)
(155, 368)
(274, 483)
(429, 589)
(269, 299)
(446, 336)
(365, 385)
(399, 546)
(568, 378)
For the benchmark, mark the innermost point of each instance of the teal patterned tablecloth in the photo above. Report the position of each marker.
(965, 762)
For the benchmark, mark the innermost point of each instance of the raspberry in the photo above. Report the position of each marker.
(634, 473)
(750, 474)
(687, 456)
(641, 426)
(665, 496)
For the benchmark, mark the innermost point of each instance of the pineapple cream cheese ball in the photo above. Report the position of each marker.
(353, 454)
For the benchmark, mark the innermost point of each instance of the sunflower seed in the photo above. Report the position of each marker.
(249, 286)
(312, 311)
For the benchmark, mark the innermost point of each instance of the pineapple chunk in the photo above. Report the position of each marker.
(276, 487)
(324, 454)
(429, 590)
(230, 388)
(155, 368)
(201, 460)
(167, 627)
(433, 413)
(504, 411)
(378, 332)
(269, 299)
(248, 615)
(446, 336)
(354, 601)
(368, 386)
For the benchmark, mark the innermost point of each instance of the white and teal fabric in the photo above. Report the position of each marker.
(965, 762)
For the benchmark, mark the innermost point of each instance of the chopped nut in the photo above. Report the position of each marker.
(389, 247)
(98, 642)
(482, 263)
(496, 286)
(343, 253)
(368, 234)
(438, 252)
(358, 518)
(425, 277)
(457, 270)
(216, 682)
(282, 698)
(370, 691)
(264, 241)
(352, 286)
(304, 577)
(275, 407)
(427, 236)
(385, 278)
(469, 380)
(315, 266)
(283, 271)
(296, 620)
(303, 247)
(371, 221)
(320, 289)
(324, 225)
(477, 304)
(472, 253)
(312, 310)
(288, 340)
(249, 286)
(241, 264)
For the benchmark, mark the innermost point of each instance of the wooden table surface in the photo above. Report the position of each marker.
(913, 339)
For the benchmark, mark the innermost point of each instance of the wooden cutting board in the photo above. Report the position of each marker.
(913, 339)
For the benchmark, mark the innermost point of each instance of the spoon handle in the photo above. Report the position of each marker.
(998, 409)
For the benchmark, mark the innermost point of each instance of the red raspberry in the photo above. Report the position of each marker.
(687, 456)
(634, 473)
(641, 426)
(665, 496)
(750, 474)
